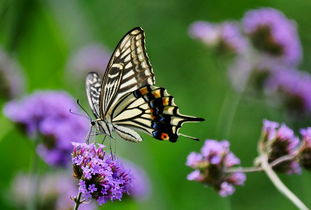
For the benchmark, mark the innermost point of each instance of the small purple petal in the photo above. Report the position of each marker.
(226, 189)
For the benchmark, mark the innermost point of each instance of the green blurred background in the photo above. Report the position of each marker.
(42, 35)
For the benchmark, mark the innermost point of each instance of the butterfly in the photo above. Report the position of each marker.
(125, 100)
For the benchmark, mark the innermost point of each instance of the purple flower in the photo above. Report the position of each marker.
(140, 188)
(211, 167)
(54, 189)
(231, 37)
(100, 176)
(226, 37)
(45, 115)
(93, 57)
(292, 88)
(280, 140)
(204, 31)
(304, 155)
(11, 77)
(271, 32)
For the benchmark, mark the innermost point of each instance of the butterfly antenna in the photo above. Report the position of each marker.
(81, 115)
(84, 110)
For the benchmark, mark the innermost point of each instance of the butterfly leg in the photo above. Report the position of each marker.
(111, 153)
(89, 134)
(104, 139)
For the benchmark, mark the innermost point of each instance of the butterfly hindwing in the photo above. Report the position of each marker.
(152, 110)
(128, 69)
(93, 90)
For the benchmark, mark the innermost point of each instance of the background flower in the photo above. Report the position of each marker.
(272, 33)
(225, 37)
(211, 167)
(292, 88)
(281, 141)
(92, 57)
(11, 77)
(46, 116)
(54, 191)
(305, 150)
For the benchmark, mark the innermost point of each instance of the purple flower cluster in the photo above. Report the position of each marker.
(100, 176)
(272, 33)
(53, 191)
(292, 88)
(226, 37)
(93, 57)
(211, 167)
(305, 150)
(280, 140)
(11, 78)
(45, 115)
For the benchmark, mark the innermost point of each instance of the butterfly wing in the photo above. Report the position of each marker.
(128, 69)
(93, 90)
(152, 110)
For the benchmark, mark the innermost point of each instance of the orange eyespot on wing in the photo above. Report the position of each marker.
(165, 136)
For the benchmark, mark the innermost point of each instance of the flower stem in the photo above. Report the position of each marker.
(33, 191)
(259, 168)
(77, 201)
(279, 184)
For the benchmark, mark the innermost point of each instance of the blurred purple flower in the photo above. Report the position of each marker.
(140, 188)
(211, 167)
(54, 192)
(204, 31)
(100, 176)
(292, 87)
(272, 33)
(11, 77)
(45, 115)
(93, 57)
(305, 150)
(226, 36)
(280, 140)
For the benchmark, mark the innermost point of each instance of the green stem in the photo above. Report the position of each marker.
(279, 184)
(34, 181)
(77, 201)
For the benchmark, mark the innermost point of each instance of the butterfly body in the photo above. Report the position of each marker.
(126, 99)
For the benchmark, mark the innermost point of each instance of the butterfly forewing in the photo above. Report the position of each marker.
(93, 90)
(128, 69)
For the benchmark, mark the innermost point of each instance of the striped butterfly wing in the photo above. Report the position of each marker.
(93, 84)
(128, 69)
(152, 110)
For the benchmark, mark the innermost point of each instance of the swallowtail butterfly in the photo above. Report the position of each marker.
(126, 99)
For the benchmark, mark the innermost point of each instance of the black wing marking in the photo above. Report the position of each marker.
(128, 69)
(93, 89)
(152, 110)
